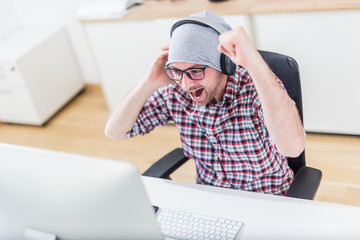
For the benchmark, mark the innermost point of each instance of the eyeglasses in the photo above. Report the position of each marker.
(192, 73)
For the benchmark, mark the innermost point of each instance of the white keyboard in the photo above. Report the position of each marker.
(176, 224)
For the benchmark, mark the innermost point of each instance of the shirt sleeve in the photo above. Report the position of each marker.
(153, 114)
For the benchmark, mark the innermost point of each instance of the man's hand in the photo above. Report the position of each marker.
(156, 74)
(238, 47)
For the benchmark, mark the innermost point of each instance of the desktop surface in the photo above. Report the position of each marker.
(265, 216)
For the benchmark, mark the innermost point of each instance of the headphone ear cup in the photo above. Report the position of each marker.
(227, 66)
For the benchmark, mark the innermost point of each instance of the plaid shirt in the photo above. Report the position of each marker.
(228, 141)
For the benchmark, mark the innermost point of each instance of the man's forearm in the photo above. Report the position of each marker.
(125, 114)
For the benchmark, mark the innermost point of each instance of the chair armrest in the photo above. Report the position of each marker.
(167, 164)
(305, 183)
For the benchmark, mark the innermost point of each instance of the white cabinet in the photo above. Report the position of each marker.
(124, 50)
(327, 47)
(38, 74)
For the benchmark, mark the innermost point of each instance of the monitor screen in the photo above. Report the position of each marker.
(71, 196)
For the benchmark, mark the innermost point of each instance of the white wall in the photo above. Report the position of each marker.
(8, 18)
(326, 46)
(15, 13)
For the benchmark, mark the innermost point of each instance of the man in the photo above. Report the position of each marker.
(238, 128)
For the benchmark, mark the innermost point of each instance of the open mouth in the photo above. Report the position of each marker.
(196, 94)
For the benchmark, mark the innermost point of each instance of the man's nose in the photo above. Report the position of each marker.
(186, 82)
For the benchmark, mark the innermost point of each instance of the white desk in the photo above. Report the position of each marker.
(265, 216)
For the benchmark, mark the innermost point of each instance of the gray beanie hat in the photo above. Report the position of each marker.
(197, 44)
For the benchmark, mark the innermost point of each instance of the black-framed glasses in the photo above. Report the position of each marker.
(192, 73)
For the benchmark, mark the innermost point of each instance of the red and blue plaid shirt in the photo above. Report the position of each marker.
(228, 141)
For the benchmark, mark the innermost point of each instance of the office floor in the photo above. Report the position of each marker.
(78, 128)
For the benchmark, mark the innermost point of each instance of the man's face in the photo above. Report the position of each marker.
(209, 89)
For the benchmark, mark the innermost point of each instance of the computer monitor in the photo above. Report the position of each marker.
(46, 193)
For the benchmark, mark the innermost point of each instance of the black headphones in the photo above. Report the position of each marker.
(227, 66)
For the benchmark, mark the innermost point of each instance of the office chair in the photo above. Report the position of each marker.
(307, 179)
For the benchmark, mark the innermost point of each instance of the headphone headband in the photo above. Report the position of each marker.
(199, 21)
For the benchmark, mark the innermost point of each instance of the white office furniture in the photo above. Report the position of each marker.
(326, 46)
(265, 216)
(38, 74)
(125, 50)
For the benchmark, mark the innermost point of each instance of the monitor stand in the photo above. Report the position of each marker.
(33, 234)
